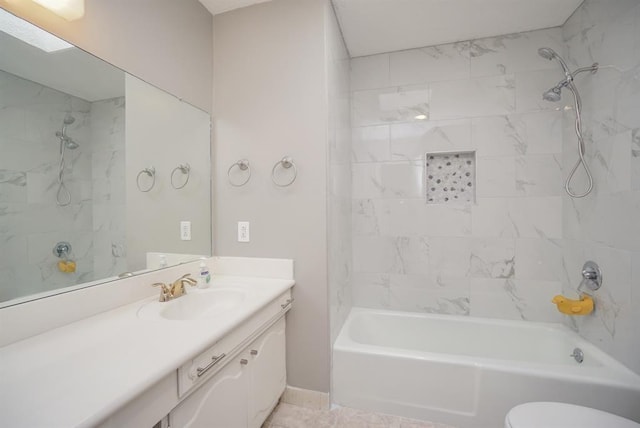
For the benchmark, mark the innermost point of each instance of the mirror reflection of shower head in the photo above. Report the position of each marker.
(69, 142)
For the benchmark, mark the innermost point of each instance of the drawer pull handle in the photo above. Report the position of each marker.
(244, 362)
(254, 352)
(286, 303)
(214, 360)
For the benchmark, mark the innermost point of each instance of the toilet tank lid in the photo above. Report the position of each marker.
(562, 415)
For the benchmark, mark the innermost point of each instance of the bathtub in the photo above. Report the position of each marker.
(468, 372)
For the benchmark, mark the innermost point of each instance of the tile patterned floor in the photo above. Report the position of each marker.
(290, 416)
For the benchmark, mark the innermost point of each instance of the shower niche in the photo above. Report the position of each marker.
(450, 177)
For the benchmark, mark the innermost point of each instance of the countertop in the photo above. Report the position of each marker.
(79, 374)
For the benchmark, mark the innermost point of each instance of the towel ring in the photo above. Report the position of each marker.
(243, 165)
(286, 163)
(186, 171)
(151, 172)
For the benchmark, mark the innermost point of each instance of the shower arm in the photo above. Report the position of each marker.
(571, 75)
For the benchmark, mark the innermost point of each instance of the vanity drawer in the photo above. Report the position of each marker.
(202, 367)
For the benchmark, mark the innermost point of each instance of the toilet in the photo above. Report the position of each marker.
(562, 415)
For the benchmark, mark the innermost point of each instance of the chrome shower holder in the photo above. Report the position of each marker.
(555, 94)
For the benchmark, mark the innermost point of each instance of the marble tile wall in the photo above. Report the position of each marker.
(30, 221)
(604, 226)
(339, 177)
(499, 257)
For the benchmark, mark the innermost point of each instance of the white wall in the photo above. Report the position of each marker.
(270, 100)
(604, 226)
(164, 42)
(499, 257)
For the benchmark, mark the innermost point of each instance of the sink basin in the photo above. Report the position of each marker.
(198, 304)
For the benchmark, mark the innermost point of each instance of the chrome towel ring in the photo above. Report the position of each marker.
(186, 171)
(243, 165)
(151, 172)
(286, 163)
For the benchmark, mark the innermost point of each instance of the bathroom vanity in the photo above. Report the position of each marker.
(214, 357)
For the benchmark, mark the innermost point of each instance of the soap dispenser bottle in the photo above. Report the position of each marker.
(204, 277)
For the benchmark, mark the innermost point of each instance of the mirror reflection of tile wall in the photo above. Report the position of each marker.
(30, 221)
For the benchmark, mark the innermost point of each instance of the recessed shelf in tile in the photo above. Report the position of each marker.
(451, 177)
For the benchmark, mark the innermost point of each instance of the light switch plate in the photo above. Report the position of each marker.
(185, 230)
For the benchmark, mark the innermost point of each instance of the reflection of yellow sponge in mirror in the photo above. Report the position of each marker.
(66, 266)
(567, 306)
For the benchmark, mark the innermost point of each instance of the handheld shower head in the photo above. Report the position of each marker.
(68, 120)
(554, 94)
(547, 53)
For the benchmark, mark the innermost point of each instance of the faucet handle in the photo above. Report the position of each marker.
(165, 292)
(177, 288)
(187, 278)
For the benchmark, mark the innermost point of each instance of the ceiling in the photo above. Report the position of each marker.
(221, 6)
(71, 71)
(376, 26)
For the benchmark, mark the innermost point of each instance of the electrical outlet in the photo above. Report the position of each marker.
(185, 230)
(243, 231)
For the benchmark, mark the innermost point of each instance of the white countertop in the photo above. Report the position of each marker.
(79, 374)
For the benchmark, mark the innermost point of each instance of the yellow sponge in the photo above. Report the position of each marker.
(66, 266)
(567, 306)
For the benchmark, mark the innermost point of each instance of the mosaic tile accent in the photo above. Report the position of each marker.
(451, 177)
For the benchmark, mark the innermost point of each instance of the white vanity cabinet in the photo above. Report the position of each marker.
(267, 373)
(213, 358)
(244, 391)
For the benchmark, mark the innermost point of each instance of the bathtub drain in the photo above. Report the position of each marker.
(578, 355)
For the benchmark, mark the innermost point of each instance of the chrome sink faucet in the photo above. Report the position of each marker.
(176, 289)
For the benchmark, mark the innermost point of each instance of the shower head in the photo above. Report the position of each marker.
(68, 120)
(554, 94)
(547, 53)
(70, 144)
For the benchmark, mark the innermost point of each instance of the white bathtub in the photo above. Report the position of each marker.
(468, 372)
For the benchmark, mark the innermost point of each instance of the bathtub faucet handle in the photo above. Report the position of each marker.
(592, 276)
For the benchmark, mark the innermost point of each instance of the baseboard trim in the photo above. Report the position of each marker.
(306, 398)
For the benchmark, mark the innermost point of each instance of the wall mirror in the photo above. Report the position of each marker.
(100, 172)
